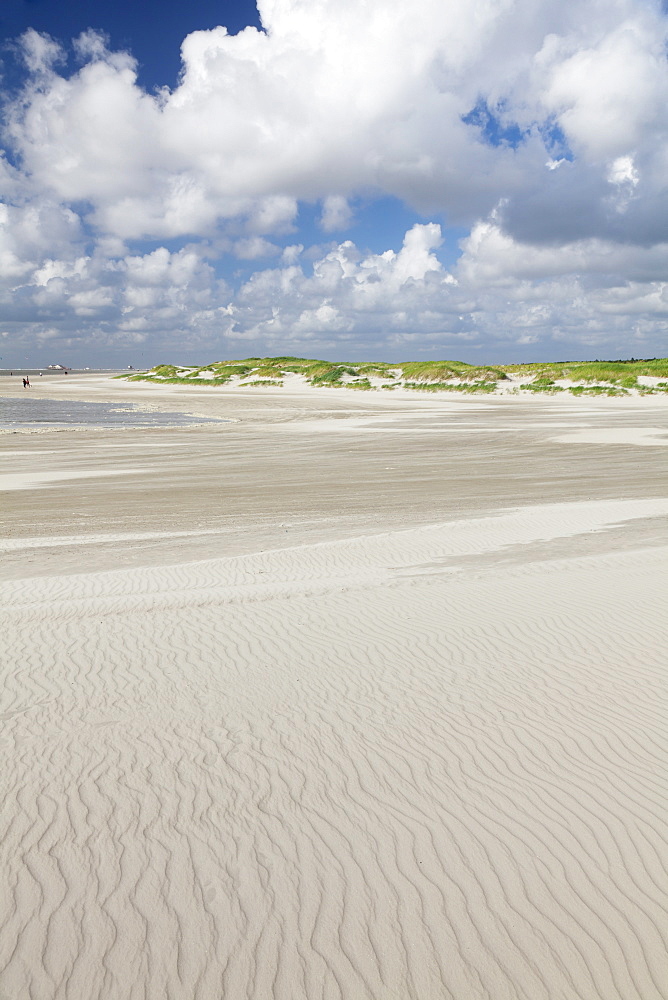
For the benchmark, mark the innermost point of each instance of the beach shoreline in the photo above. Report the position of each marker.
(352, 695)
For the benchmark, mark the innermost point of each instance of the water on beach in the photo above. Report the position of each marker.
(29, 412)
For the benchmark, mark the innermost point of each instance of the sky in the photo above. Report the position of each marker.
(481, 180)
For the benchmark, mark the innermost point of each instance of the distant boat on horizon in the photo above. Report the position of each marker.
(60, 368)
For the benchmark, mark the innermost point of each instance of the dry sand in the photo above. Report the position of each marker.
(354, 697)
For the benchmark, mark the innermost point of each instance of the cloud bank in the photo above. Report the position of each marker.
(538, 129)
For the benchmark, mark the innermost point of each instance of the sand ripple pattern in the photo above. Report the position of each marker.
(381, 769)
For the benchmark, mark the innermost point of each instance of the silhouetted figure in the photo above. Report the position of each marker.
(25, 383)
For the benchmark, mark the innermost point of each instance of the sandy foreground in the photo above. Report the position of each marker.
(356, 695)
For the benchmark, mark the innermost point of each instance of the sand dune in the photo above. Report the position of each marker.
(386, 767)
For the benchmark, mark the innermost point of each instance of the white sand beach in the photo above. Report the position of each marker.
(352, 697)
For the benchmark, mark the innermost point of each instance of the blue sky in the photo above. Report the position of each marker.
(324, 178)
(152, 31)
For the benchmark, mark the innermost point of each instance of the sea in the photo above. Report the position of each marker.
(32, 412)
(61, 372)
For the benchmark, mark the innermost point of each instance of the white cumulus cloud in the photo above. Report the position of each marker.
(541, 128)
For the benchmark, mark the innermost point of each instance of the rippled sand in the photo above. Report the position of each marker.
(347, 699)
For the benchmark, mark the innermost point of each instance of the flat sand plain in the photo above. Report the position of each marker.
(355, 695)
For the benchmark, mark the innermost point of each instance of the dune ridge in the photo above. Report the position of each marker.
(386, 767)
(590, 378)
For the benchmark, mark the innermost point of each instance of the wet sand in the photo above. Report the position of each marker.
(357, 695)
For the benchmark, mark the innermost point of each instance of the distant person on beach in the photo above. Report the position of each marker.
(25, 383)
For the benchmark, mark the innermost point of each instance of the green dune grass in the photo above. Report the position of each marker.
(595, 377)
